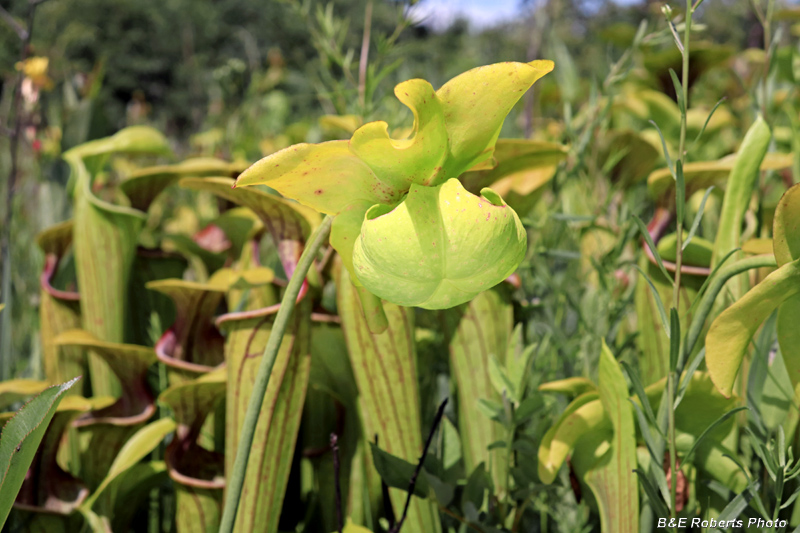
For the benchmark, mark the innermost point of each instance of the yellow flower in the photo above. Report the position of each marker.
(35, 68)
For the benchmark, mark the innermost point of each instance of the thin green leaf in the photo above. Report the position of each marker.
(680, 194)
(738, 504)
(675, 36)
(687, 378)
(661, 311)
(638, 388)
(657, 503)
(664, 146)
(697, 219)
(763, 453)
(678, 90)
(500, 381)
(708, 119)
(644, 428)
(652, 246)
(711, 428)
(790, 500)
(708, 280)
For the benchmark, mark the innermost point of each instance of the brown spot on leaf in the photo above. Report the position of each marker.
(318, 192)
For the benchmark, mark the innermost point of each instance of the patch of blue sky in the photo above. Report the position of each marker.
(439, 14)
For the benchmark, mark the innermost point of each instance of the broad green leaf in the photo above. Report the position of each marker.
(741, 183)
(137, 448)
(104, 244)
(59, 309)
(385, 370)
(572, 387)
(451, 447)
(103, 432)
(192, 345)
(105, 237)
(130, 363)
(696, 253)
(731, 331)
(440, 247)
(613, 480)
(416, 160)
(513, 157)
(134, 139)
(478, 483)
(198, 472)
(289, 223)
(475, 106)
(701, 406)
(144, 185)
(20, 439)
(476, 332)
(714, 459)
(786, 227)
(397, 473)
(345, 231)
(522, 169)
(585, 414)
(191, 403)
(132, 488)
(340, 123)
(279, 419)
(586, 418)
(197, 509)
(327, 177)
(789, 335)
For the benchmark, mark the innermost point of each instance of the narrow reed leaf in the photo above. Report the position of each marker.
(697, 219)
(661, 311)
(649, 240)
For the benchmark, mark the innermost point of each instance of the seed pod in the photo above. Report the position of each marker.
(440, 247)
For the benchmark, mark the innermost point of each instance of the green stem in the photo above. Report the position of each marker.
(672, 381)
(767, 25)
(236, 481)
(673, 454)
(687, 29)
